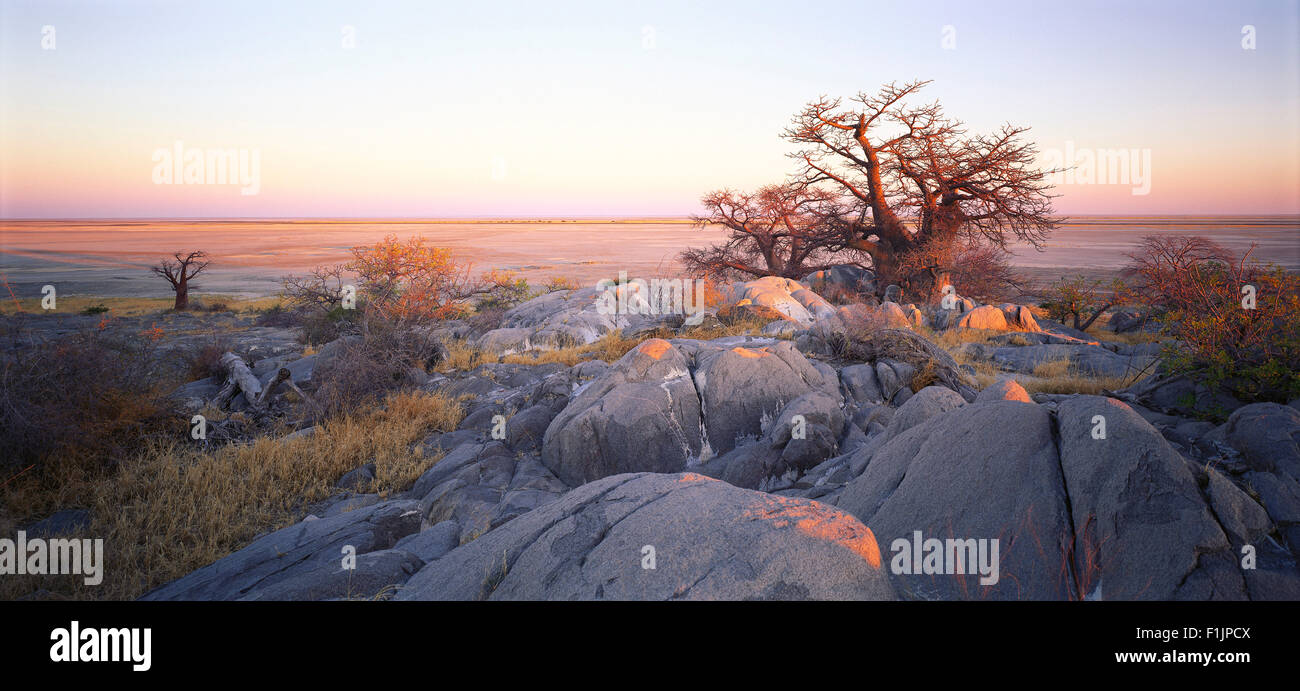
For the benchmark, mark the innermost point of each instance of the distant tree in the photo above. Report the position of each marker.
(913, 180)
(179, 270)
(1082, 300)
(779, 230)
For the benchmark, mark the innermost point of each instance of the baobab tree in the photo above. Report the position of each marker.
(179, 270)
(779, 230)
(915, 182)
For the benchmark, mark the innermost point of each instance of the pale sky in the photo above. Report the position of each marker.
(615, 108)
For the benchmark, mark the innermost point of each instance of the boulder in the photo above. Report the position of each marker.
(925, 404)
(891, 315)
(1089, 360)
(1005, 389)
(749, 466)
(1268, 437)
(841, 280)
(861, 384)
(642, 414)
(984, 471)
(295, 551)
(894, 376)
(432, 543)
(784, 295)
(1123, 321)
(1019, 317)
(357, 478)
(816, 407)
(1180, 395)
(664, 537)
(817, 444)
(1141, 527)
(66, 523)
(984, 317)
(375, 575)
(527, 428)
(743, 389)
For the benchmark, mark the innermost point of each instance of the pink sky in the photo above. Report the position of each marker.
(582, 109)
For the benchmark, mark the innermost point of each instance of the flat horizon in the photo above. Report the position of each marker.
(524, 218)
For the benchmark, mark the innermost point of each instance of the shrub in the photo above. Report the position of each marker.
(322, 327)
(362, 369)
(323, 289)
(1253, 354)
(205, 358)
(95, 309)
(504, 291)
(411, 280)
(277, 315)
(977, 269)
(1251, 351)
(1081, 300)
(87, 399)
(558, 283)
(486, 319)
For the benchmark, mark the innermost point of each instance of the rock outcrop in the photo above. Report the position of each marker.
(664, 537)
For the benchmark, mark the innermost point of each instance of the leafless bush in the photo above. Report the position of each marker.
(87, 399)
(204, 359)
(364, 368)
(323, 289)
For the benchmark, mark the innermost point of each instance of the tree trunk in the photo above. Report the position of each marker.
(269, 391)
(182, 295)
(242, 377)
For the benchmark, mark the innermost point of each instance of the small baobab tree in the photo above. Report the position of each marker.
(179, 270)
(779, 230)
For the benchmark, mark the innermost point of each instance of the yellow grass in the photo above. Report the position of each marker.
(1061, 377)
(174, 508)
(1073, 383)
(1054, 377)
(949, 339)
(129, 307)
(1053, 369)
(1128, 338)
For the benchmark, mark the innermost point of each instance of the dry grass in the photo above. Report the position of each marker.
(1062, 377)
(1054, 368)
(173, 508)
(1073, 383)
(948, 339)
(1055, 377)
(130, 307)
(1127, 338)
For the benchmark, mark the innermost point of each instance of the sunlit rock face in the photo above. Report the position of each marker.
(664, 537)
(787, 296)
